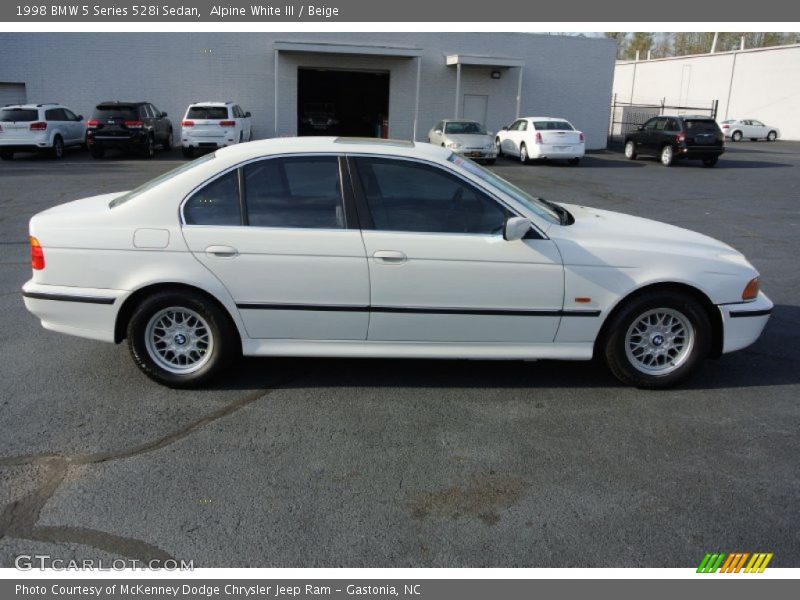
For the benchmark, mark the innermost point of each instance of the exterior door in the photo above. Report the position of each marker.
(293, 261)
(475, 107)
(439, 267)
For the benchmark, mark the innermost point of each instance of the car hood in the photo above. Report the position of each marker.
(470, 140)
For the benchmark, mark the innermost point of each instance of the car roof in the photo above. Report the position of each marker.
(545, 118)
(211, 103)
(31, 106)
(461, 120)
(321, 144)
(118, 103)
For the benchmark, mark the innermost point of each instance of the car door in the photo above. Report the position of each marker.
(293, 259)
(759, 129)
(509, 139)
(440, 270)
(645, 137)
(77, 131)
(159, 123)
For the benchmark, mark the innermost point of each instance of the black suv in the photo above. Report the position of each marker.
(137, 126)
(674, 138)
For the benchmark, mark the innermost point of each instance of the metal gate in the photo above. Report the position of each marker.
(627, 116)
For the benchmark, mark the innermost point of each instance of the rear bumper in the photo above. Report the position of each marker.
(17, 147)
(558, 151)
(700, 151)
(137, 140)
(208, 141)
(83, 312)
(743, 322)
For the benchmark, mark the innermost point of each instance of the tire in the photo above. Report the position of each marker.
(667, 156)
(5, 155)
(772, 136)
(96, 152)
(57, 151)
(736, 136)
(574, 162)
(167, 145)
(187, 152)
(635, 338)
(241, 136)
(149, 150)
(523, 154)
(710, 161)
(499, 147)
(630, 150)
(198, 341)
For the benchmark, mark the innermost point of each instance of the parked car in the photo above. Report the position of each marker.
(318, 118)
(533, 138)
(39, 128)
(342, 247)
(214, 125)
(672, 138)
(131, 126)
(465, 137)
(736, 129)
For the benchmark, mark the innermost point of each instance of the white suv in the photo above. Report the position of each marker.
(39, 128)
(214, 125)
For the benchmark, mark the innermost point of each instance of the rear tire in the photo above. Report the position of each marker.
(667, 156)
(181, 339)
(57, 151)
(149, 150)
(657, 340)
(7, 155)
(630, 150)
(736, 136)
(167, 145)
(523, 154)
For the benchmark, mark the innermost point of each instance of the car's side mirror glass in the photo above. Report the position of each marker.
(247, 114)
(516, 228)
(79, 118)
(163, 114)
(640, 128)
(504, 128)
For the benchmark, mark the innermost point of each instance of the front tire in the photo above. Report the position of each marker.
(181, 339)
(499, 147)
(630, 150)
(667, 156)
(658, 340)
(772, 136)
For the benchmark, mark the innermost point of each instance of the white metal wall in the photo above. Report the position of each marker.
(564, 75)
(761, 84)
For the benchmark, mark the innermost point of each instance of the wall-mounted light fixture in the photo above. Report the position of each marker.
(495, 74)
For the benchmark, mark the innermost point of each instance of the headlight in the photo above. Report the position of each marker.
(454, 145)
(489, 147)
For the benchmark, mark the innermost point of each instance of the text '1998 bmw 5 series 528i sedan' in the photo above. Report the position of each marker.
(368, 248)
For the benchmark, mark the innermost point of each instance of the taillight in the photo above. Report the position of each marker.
(38, 126)
(227, 123)
(726, 126)
(187, 123)
(134, 124)
(751, 289)
(37, 254)
(581, 137)
(92, 123)
(538, 138)
(680, 137)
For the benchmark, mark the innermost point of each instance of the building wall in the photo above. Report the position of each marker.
(761, 84)
(564, 76)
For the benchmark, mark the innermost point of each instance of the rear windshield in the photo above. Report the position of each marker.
(701, 125)
(8, 115)
(115, 112)
(552, 125)
(207, 112)
(464, 127)
(188, 166)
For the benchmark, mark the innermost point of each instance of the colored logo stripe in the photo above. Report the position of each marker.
(734, 562)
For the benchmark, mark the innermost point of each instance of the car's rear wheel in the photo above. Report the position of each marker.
(658, 340)
(57, 151)
(181, 339)
(630, 150)
(167, 145)
(772, 136)
(736, 136)
(7, 155)
(710, 161)
(667, 156)
(523, 154)
(149, 150)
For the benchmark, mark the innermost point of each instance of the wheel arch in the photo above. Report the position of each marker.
(125, 311)
(714, 315)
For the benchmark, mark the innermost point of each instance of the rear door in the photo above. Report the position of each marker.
(277, 234)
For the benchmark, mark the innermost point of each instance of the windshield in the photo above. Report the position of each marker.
(552, 126)
(207, 112)
(9, 115)
(533, 204)
(464, 127)
(159, 180)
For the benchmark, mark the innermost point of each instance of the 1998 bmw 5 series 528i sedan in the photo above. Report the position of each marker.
(369, 248)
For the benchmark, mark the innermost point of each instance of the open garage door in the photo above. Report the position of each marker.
(334, 102)
(12, 93)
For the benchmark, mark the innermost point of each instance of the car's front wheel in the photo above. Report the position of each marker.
(772, 136)
(181, 339)
(499, 147)
(658, 340)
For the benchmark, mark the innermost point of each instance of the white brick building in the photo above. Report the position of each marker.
(411, 80)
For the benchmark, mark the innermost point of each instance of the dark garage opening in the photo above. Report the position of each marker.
(332, 102)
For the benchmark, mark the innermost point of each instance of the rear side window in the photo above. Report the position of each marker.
(216, 203)
(207, 112)
(55, 114)
(701, 126)
(552, 126)
(9, 115)
(303, 192)
(115, 112)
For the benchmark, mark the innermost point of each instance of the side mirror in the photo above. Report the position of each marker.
(79, 118)
(515, 228)
(504, 128)
(640, 128)
(247, 114)
(163, 114)
(438, 132)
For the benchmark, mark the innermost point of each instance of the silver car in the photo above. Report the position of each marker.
(465, 137)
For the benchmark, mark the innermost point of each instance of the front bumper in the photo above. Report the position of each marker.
(743, 322)
(477, 153)
(83, 312)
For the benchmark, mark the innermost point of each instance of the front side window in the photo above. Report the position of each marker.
(216, 203)
(522, 126)
(410, 196)
(70, 115)
(650, 125)
(303, 192)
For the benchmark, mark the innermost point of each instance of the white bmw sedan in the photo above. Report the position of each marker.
(368, 248)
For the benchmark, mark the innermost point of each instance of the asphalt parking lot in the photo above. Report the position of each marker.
(386, 463)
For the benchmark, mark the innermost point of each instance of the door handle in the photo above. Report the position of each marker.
(390, 256)
(222, 251)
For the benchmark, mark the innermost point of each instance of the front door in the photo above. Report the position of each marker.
(293, 261)
(439, 267)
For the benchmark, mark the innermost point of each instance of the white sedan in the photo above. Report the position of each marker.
(532, 138)
(738, 129)
(346, 247)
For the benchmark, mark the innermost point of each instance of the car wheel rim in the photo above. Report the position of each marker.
(629, 149)
(59, 149)
(523, 154)
(179, 340)
(659, 341)
(666, 155)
